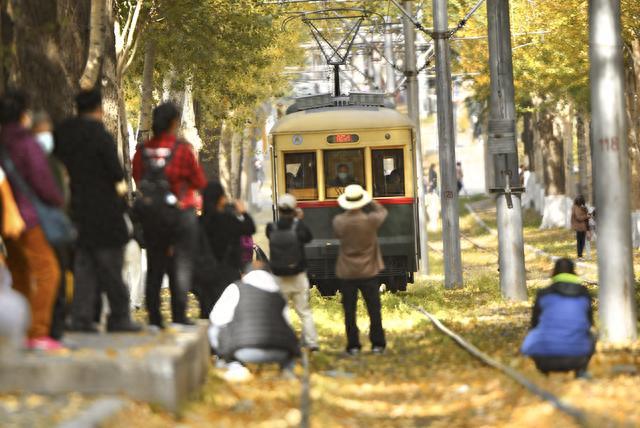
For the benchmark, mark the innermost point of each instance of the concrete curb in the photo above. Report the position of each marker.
(96, 414)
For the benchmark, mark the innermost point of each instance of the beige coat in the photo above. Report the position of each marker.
(579, 218)
(360, 256)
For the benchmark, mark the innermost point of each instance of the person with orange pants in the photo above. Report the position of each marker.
(31, 260)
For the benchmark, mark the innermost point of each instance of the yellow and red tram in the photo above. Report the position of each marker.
(325, 143)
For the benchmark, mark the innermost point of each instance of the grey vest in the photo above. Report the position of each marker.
(257, 323)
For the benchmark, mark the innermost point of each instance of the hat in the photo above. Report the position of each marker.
(354, 197)
(287, 202)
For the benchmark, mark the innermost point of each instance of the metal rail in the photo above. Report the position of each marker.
(578, 415)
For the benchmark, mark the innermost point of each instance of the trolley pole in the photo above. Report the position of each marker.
(504, 151)
(446, 137)
(611, 168)
(413, 104)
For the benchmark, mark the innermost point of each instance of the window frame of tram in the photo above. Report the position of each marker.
(381, 178)
(356, 166)
(308, 191)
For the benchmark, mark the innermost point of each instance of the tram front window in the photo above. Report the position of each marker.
(342, 168)
(301, 176)
(388, 172)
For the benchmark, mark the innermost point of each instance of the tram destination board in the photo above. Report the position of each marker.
(343, 138)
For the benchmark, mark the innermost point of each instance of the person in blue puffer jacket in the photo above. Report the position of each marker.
(560, 337)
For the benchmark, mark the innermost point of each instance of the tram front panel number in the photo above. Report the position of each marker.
(343, 138)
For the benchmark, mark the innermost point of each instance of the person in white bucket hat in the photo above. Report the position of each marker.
(359, 262)
(287, 238)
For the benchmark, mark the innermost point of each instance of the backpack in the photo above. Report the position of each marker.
(155, 206)
(286, 252)
(246, 249)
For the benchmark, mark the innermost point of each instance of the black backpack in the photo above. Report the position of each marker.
(286, 251)
(155, 206)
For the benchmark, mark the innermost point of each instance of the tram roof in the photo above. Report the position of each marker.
(340, 119)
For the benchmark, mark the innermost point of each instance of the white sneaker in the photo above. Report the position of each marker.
(236, 372)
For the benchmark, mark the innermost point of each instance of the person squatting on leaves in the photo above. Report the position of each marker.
(287, 238)
(250, 323)
(359, 262)
(560, 337)
(98, 208)
(31, 260)
(168, 175)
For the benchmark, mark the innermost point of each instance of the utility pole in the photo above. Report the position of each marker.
(413, 104)
(446, 137)
(611, 168)
(504, 152)
(390, 74)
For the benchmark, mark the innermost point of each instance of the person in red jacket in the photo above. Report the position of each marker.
(186, 178)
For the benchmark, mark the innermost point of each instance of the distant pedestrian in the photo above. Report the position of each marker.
(250, 324)
(433, 179)
(31, 261)
(580, 223)
(168, 176)
(98, 207)
(359, 262)
(459, 176)
(560, 336)
(225, 223)
(287, 238)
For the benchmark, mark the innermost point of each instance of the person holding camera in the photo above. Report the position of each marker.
(287, 238)
(359, 262)
(224, 222)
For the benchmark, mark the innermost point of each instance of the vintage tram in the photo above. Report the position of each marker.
(325, 143)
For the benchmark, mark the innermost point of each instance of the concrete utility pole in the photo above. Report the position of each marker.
(504, 151)
(611, 167)
(390, 74)
(446, 137)
(413, 104)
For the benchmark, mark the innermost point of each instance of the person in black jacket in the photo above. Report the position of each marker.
(224, 223)
(287, 239)
(98, 207)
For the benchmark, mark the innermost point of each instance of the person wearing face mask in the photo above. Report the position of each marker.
(42, 129)
(343, 178)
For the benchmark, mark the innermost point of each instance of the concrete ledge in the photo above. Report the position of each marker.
(163, 368)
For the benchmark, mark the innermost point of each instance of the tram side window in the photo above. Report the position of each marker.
(342, 168)
(388, 172)
(300, 171)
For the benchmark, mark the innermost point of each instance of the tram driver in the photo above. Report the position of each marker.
(343, 177)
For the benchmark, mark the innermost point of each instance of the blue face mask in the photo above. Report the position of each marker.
(343, 175)
(45, 139)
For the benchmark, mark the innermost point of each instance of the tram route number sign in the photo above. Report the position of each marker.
(343, 138)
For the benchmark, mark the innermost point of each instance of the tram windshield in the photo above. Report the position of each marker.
(388, 172)
(301, 175)
(342, 168)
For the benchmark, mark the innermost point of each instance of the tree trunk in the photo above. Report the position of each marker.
(583, 157)
(210, 154)
(188, 123)
(527, 139)
(146, 102)
(51, 42)
(96, 45)
(567, 145)
(240, 168)
(110, 79)
(552, 155)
